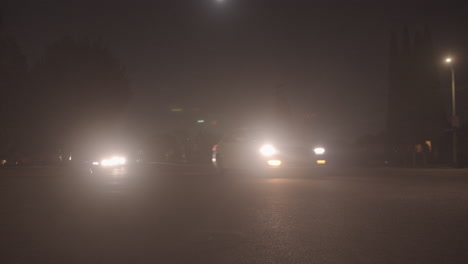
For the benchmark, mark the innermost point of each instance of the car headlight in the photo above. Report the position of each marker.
(114, 161)
(268, 150)
(319, 151)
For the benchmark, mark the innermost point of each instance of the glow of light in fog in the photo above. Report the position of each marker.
(114, 161)
(274, 163)
(319, 151)
(268, 150)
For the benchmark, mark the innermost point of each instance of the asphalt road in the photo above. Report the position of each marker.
(190, 215)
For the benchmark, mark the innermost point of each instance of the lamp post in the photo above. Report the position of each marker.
(454, 112)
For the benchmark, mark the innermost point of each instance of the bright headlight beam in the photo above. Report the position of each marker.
(114, 161)
(268, 150)
(319, 151)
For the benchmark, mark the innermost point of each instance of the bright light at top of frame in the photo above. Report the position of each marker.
(448, 60)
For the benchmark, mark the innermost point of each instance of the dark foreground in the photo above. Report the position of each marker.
(177, 215)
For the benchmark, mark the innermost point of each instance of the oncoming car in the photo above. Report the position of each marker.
(104, 156)
(256, 150)
(110, 161)
(95, 161)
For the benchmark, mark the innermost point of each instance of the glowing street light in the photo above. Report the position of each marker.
(454, 112)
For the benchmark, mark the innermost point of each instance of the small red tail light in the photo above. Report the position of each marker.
(215, 147)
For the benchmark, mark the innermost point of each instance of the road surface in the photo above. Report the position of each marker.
(165, 214)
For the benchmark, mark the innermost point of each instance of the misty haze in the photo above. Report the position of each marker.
(233, 131)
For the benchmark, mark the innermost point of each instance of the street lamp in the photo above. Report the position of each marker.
(454, 112)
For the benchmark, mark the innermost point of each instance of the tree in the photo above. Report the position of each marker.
(78, 89)
(416, 111)
(13, 73)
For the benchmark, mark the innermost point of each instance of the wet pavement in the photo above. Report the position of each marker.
(188, 214)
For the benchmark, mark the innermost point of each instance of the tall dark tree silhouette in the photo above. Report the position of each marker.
(78, 89)
(416, 112)
(13, 74)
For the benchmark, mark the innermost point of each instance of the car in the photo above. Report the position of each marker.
(103, 155)
(260, 150)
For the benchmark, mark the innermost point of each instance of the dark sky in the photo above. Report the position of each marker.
(331, 54)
